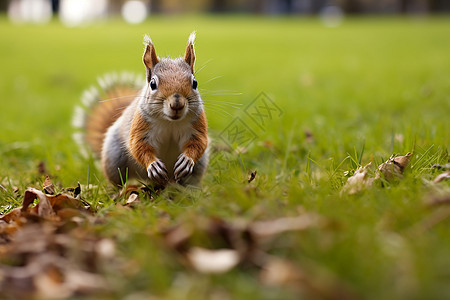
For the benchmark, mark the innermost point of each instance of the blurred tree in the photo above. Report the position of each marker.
(219, 5)
(55, 6)
(351, 6)
(4, 5)
(277, 6)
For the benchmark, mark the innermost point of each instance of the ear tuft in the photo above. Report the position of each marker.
(147, 40)
(191, 39)
(189, 56)
(150, 59)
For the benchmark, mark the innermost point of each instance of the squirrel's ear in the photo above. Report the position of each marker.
(189, 56)
(150, 59)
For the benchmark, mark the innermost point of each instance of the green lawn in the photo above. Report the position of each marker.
(346, 96)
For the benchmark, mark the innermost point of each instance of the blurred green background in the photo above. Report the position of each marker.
(351, 91)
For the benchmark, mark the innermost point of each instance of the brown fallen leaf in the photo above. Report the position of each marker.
(442, 177)
(48, 186)
(309, 136)
(77, 192)
(441, 167)
(13, 215)
(359, 181)
(61, 201)
(178, 236)
(438, 201)
(133, 200)
(50, 283)
(105, 248)
(394, 167)
(252, 176)
(280, 272)
(49, 276)
(247, 239)
(280, 225)
(49, 251)
(48, 204)
(74, 191)
(68, 213)
(42, 209)
(310, 281)
(212, 261)
(42, 169)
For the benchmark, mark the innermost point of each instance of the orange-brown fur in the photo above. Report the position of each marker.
(196, 146)
(104, 114)
(142, 151)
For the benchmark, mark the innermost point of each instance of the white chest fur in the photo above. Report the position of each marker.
(168, 138)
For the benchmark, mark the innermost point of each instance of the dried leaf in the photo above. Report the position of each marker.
(42, 169)
(13, 215)
(252, 176)
(106, 248)
(213, 261)
(441, 167)
(280, 272)
(309, 136)
(61, 201)
(54, 257)
(32, 239)
(68, 213)
(77, 191)
(48, 186)
(50, 284)
(359, 181)
(441, 177)
(394, 167)
(82, 282)
(133, 200)
(177, 237)
(43, 208)
(277, 226)
(437, 201)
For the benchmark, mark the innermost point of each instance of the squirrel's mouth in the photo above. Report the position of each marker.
(175, 115)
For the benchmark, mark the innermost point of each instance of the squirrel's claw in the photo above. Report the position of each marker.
(183, 167)
(157, 172)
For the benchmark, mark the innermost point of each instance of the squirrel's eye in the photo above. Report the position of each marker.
(194, 84)
(153, 84)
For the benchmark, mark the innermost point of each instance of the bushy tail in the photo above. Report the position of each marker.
(101, 106)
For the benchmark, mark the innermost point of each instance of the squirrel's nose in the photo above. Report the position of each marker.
(176, 104)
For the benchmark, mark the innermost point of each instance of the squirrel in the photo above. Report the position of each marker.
(159, 136)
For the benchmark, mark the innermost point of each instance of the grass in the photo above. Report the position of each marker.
(364, 90)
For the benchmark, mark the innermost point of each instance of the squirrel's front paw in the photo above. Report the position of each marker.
(157, 172)
(183, 167)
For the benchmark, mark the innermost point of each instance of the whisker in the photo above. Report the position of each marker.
(121, 107)
(217, 110)
(204, 65)
(121, 97)
(225, 105)
(212, 79)
(221, 102)
(221, 93)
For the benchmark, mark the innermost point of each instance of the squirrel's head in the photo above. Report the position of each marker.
(171, 91)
